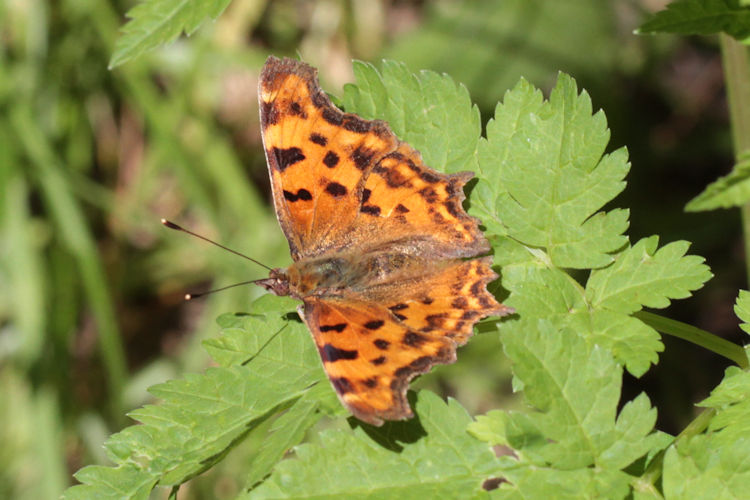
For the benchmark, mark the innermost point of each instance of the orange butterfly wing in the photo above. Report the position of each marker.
(344, 186)
(373, 343)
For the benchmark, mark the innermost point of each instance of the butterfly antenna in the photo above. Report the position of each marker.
(176, 227)
(191, 296)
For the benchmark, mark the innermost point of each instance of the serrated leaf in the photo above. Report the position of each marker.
(742, 309)
(642, 276)
(272, 342)
(201, 417)
(156, 22)
(427, 110)
(541, 291)
(547, 176)
(732, 190)
(548, 292)
(575, 388)
(731, 400)
(632, 342)
(115, 483)
(701, 17)
(446, 462)
(574, 445)
(702, 467)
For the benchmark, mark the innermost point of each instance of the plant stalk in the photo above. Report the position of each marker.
(707, 340)
(737, 76)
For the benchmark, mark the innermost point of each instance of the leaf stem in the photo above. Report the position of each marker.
(695, 335)
(737, 76)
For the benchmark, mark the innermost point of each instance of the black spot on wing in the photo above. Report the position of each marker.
(331, 159)
(436, 320)
(392, 176)
(318, 139)
(399, 307)
(381, 344)
(361, 157)
(335, 189)
(342, 385)
(287, 157)
(401, 209)
(452, 208)
(413, 339)
(374, 324)
(333, 328)
(378, 361)
(269, 114)
(366, 195)
(370, 210)
(460, 303)
(303, 194)
(429, 194)
(371, 382)
(297, 110)
(332, 353)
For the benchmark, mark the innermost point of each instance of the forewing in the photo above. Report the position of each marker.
(340, 181)
(403, 198)
(317, 155)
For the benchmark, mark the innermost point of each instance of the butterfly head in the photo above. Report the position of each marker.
(277, 282)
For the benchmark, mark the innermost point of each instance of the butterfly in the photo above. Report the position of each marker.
(384, 254)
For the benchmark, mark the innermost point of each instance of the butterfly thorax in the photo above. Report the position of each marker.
(346, 272)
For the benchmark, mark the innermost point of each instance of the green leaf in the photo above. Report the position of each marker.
(427, 110)
(268, 366)
(116, 483)
(532, 482)
(574, 444)
(156, 22)
(547, 176)
(742, 310)
(445, 462)
(642, 276)
(287, 431)
(576, 388)
(701, 17)
(269, 339)
(703, 467)
(632, 342)
(731, 400)
(199, 419)
(547, 292)
(732, 190)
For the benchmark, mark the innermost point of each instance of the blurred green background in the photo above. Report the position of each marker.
(91, 285)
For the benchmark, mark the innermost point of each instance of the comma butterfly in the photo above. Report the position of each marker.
(379, 242)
